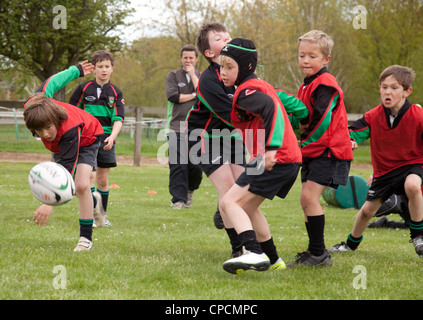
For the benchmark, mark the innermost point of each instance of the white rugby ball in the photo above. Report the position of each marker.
(51, 183)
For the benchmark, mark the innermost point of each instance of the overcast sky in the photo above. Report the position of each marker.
(140, 19)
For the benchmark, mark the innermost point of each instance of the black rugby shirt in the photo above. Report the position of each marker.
(105, 103)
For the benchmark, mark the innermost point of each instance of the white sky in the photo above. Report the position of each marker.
(141, 17)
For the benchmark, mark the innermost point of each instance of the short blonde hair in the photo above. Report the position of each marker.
(324, 41)
(223, 60)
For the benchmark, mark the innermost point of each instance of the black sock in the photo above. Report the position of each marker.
(308, 232)
(416, 228)
(249, 241)
(104, 198)
(269, 249)
(94, 199)
(353, 242)
(234, 240)
(86, 228)
(316, 227)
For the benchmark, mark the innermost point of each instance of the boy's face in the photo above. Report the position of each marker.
(48, 133)
(102, 70)
(229, 72)
(217, 40)
(392, 94)
(310, 58)
(188, 59)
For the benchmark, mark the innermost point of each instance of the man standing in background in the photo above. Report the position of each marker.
(180, 87)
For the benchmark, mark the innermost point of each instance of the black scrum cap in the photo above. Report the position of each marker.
(244, 52)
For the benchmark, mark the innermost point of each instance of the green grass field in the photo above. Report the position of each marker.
(153, 252)
(22, 141)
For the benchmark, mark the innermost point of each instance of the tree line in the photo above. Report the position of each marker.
(369, 36)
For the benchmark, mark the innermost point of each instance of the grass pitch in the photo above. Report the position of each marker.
(152, 252)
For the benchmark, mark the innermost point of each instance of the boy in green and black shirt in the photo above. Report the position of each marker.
(104, 101)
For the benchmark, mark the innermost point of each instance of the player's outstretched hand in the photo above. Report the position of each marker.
(42, 214)
(87, 67)
(354, 145)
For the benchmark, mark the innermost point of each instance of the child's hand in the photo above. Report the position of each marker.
(42, 214)
(369, 181)
(109, 140)
(269, 159)
(87, 67)
(354, 145)
(303, 127)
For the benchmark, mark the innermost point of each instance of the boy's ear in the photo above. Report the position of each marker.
(326, 60)
(209, 54)
(408, 92)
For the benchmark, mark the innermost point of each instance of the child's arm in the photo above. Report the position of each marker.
(294, 107)
(61, 79)
(117, 126)
(262, 106)
(119, 108)
(117, 120)
(69, 149)
(325, 101)
(359, 130)
(212, 94)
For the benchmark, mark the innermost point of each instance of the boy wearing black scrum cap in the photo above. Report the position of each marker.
(258, 114)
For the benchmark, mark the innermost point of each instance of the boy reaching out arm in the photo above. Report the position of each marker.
(72, 135)
(397, 165)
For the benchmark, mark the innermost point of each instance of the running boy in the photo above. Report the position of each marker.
(105, 102)
(72, 135)
(219, 151)
(395, 129)
(325, 143)
(259, 114)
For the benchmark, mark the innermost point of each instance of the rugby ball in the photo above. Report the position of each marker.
(51, 183)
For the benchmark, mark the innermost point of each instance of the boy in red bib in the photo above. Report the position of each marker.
(72, 135)
(395, 129)
(260, 118)
(325, 142)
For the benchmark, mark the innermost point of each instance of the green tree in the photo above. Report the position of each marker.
(393, 35)
(141, 70)
(44, 37)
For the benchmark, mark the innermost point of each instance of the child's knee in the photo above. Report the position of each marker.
(413, 188)
(82, 187)
(224, 203)
(308, 200)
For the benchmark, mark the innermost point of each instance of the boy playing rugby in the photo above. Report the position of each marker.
(211, 139)
(72, 135)
(105, 102)
(395, 129)
(259, 114)
(325, 143)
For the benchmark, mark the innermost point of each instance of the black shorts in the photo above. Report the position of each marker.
(268, 184)
(211, 153)
(326, 171)
(87, 155)
(392, 182)
(106, 158)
